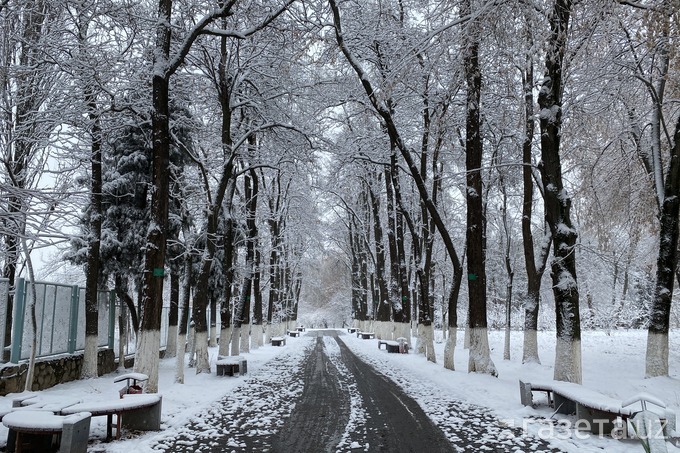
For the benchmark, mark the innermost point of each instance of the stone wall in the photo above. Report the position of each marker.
(52, 371)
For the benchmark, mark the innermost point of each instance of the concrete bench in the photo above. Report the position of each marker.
(278, 341)
(42, 430)
(133, 411)
(604, 414)
(394, 346)
(294, 333)
(229, 365)
(365, 335)
(352, 330)
(300, 328)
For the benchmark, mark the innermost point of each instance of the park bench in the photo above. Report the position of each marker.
(278, 341)
(133, 411)
(365, 335)
(352, 330)
(399, 346)
(301, 328)
(294, 333)
(43, 430)
(603, 414)
(229, 365)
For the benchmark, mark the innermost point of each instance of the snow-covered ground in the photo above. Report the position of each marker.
(612, 364)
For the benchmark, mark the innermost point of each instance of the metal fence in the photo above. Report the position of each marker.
(60, 319)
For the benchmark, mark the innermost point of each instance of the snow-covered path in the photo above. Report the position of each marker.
(323, 398)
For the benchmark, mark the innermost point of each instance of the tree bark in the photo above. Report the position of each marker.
(146, 357)
(558, 203)
(656, 363)
(480, 355)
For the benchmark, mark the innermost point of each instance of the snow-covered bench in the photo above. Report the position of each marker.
(399, 346)
(133, 411)
(294, 333)
(229, 365)
(603, 414)
(365, 335)
(42, 430)
(278, 341)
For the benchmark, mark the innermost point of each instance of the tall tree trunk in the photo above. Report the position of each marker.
(242, 315)
(656, 362)
(257, 332)
(173, 315)
(480, 355)
(146, 357)
(184, 321)
(534, 271)
(89, 369)
(558, 203)
(396, 300)
(382, 300)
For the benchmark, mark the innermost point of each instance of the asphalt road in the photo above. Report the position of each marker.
(393, 422)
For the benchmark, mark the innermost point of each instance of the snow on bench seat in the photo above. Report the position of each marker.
(133, 411)
(228, 365)
(601, 413)
(278, 341)
(582, 395)
(43, 429)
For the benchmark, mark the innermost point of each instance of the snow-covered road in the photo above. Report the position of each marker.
(321, 397)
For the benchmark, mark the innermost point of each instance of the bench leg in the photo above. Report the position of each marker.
(74, 435)
(109, 427)
(11, 441)
(564, 405)
(525, 395)
(144, 419)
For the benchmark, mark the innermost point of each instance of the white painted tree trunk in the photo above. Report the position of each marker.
(568, 360)
(202, 359)
(235, 341)
(506, 345)
(406, 331)
(180, 355)
(245, 339)
(656, 361)
(530, 349)
(192, 346)
(479, 360)
(89, 370)
(225, 341)
(428, 338)
(450, 348)
(420, 340)
(257, 336)
(213, 337)
(268, 334)
(379, 330)
(146, 357)
(171, 348)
